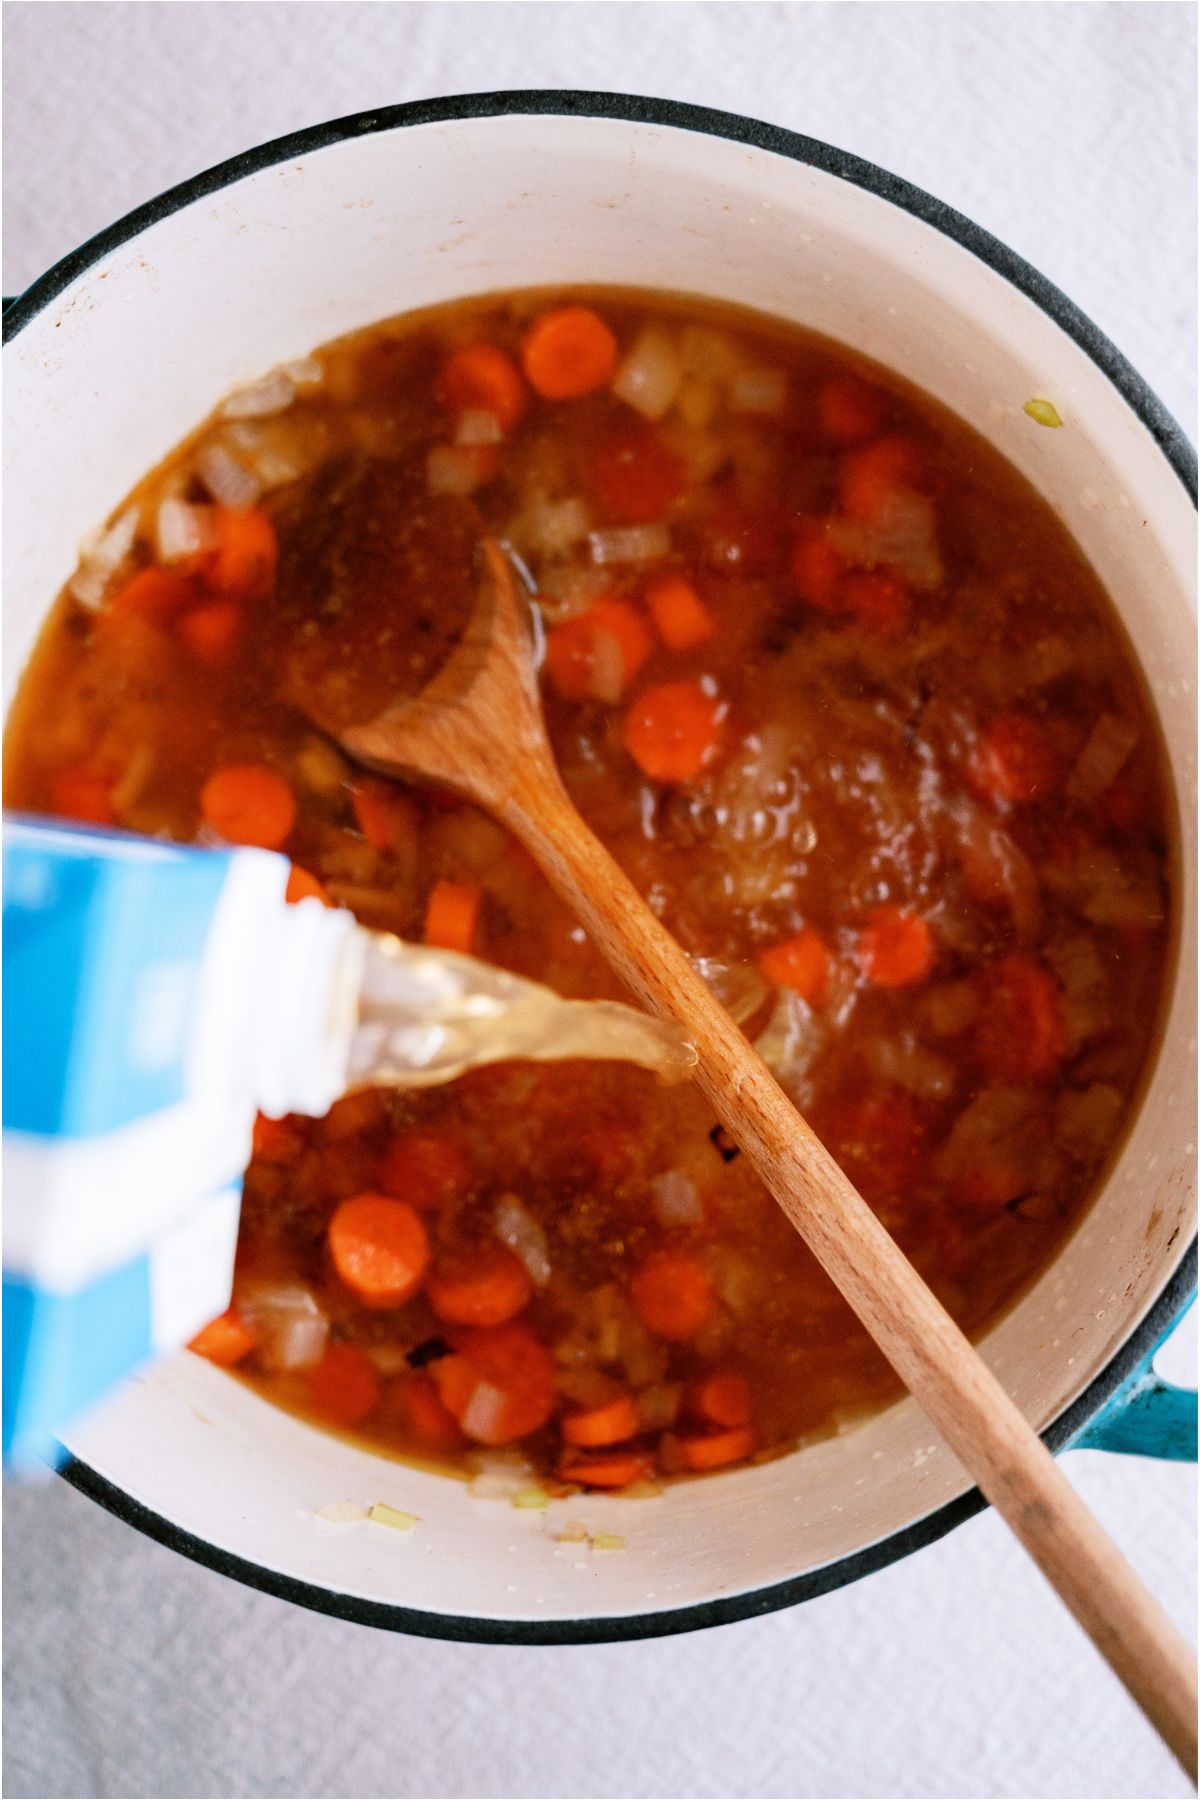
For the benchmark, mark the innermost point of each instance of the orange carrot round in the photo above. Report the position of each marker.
(895, 947)
(716, 1449)
(386, 817)
(850, 409)
(482, 378)
(870, 476)
(683, 620)
(573, 650)
(452, 915)
(1014, 761)
(155, 594)
(244, 562)
(815, 565)
(568, 352)
(672, 1294)
(593, 1427)
(1021, 1034)
(210, 632)
(801, 962)
(426, 1416)
(225, 1340)
(722, 1398)
(610, 1469)
(246, 803)
(486, 1286)
(379, 1248)
(83, 793)
(303, 886)
(673, 731)
(498, 1384)
(344, 1386)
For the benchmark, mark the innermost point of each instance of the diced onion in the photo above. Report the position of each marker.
(291, 1329)
(273, 394)
(1102, 758)
(698, 402)
(304, 371)
(520, 1232)
(608, 668)
(658, 1405)
(740, 987)
(450, 469)
(710, 353)
(181, 530)
(907, 1064)
(675, 1199)
(484, 1416)
(101, 557)
(500, 1477)
(565, 591)
(554, 527)
(759, 391)
(342, 1512)
(901, 536)
(629, 544)
(478, 428)
(228, 481)
(649, 377)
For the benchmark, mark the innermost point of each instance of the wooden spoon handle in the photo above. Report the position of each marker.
(966, 1403)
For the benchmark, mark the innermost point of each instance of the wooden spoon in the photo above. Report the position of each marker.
(477, 728)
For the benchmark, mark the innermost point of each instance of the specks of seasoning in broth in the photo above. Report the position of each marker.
(841, 697)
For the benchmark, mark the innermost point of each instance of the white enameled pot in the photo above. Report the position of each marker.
(119, 351)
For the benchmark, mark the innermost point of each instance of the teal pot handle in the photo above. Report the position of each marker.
(1147, 1416)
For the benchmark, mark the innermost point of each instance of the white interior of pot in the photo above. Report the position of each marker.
(134, 354)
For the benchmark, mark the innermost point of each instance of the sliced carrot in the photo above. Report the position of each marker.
(578, 660)
(636, 477)
(426, 1168)
(246, 803)
(850, 409)
(673, 731)
(303, 886)
(344, 1386)
(482, 378)
(680, 614)
(210, 632)
(244, 562)
(498, 1384)
(1021, 1034)
(276, 1140)
(672, 1294)
(716, 1449)
(801, 962)
(895, 947)
(611, 1469)
(870, 476)
(427, 1417)
(379, 1248)
(815, 565)
(880, 1140)
(723, 1398)
(82, 792)
(611, 1422)
(452, 915)
(875, 599)
(385, 815)
(155, 594)
(568, 352)
(1014, 761)
(225, 1340)
(486, 1286)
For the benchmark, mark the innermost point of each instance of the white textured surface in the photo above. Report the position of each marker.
(1068, 132)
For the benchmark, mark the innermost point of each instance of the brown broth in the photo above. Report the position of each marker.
(865, 757)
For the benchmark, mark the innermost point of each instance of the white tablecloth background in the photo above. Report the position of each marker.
(1066, 130)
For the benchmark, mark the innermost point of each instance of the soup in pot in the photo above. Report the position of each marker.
(837, 690)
